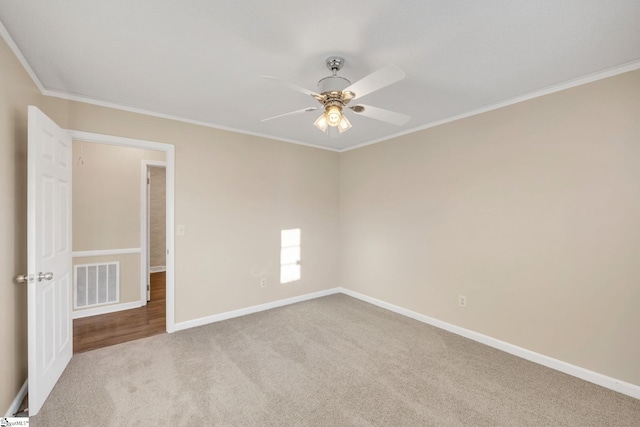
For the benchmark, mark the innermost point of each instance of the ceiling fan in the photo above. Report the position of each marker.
(335, 92)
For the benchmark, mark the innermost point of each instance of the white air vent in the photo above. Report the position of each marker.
(96, 284)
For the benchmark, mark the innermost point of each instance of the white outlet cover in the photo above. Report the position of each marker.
(462, 300)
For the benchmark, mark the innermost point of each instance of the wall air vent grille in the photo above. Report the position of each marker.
(96, 284)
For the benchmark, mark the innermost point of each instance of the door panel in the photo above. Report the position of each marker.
(49, 251)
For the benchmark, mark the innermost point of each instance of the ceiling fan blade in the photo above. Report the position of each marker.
(385, 76)
(381, 114)
(293, 86)
(291, 113)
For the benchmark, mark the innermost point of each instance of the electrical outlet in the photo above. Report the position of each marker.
(462, 301)
(263, 283)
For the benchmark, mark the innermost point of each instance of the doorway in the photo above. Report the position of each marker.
(153, 225)
(159, 317)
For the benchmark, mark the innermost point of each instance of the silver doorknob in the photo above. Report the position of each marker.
(23, 278)
(45, 276)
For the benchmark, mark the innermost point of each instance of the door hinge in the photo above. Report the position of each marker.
(148, 181)
(148, 287)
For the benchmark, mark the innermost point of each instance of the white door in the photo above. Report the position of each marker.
(49, 255)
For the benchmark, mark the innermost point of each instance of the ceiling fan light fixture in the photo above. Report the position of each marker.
(335, 92)
(344, 125)
(334, 115)
(321, 122)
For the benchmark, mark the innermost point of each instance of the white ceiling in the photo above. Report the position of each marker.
(199, 60)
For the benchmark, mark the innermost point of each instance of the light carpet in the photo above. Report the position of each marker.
(332, 361)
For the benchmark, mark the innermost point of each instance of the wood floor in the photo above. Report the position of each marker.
(90, 333)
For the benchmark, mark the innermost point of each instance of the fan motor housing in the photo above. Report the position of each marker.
(333, 84)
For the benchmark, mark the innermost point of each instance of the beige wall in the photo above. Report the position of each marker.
(531, 211)
(107, 195)
(157, 217)
(234, 193)
(16, 92)
(107, 206)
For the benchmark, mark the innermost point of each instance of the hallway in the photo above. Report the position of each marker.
(90, 333)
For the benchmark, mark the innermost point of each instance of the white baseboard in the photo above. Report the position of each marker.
(567, 368)
(619, 386)
(254, 309)
(157, 269)
(558, 365)
(15, 405)
(78, 314)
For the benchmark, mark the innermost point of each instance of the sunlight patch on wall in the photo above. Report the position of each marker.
(290, 256)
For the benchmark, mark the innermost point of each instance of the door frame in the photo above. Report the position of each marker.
(145, 234)
(169, 151)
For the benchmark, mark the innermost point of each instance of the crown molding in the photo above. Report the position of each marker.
(610, 72)
(631, 66)
(107, 104)
(14, 48)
